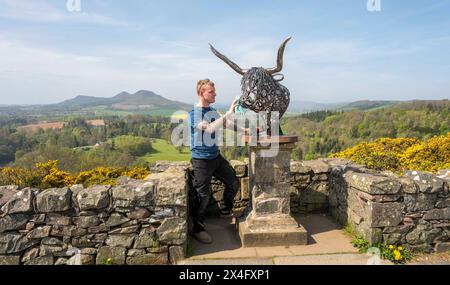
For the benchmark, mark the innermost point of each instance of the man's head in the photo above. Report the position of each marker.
(206, 91)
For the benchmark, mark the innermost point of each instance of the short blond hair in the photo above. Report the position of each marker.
(202, 83)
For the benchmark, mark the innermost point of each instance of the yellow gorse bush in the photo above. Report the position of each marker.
(47, 175)
(401, 154)
(20, 176)
(109, 175)
(431, 155)
(54, 177)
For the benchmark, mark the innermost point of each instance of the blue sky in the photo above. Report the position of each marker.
(339, 50)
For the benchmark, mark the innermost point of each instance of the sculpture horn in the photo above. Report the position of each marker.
(233, 65)
(279, 58)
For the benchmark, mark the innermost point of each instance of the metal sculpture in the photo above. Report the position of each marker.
(261, 92)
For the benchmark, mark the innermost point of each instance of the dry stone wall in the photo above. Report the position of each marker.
(146, 221)
(134, 222)
(412, 209)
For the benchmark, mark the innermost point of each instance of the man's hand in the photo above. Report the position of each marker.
(233, 106)
(247, 131)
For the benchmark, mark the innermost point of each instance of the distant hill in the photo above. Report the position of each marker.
(301, 107)
(296, 106)
(367, 105)
(150, 103)
(309, 106)
(81, 101)
(143, 101)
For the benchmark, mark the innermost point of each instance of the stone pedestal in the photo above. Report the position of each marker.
(268, 222)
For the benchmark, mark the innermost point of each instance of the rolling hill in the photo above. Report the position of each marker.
(366, 105)
(143, 101)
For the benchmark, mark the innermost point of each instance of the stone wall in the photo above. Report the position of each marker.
(146, 221)
(134, 222)
(309, 190)
(217, 188)
(412, 209)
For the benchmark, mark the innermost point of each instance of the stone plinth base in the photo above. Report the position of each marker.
(281, 230)
(268, 221)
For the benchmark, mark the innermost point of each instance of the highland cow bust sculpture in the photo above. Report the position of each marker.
(261, 92)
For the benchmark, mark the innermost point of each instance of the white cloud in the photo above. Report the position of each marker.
(42, 11)
(31, 74)
(321, 71)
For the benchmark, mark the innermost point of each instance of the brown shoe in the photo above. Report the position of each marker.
(226, 213)
(202, 237)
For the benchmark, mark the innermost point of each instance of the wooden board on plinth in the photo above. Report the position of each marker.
(283, 139)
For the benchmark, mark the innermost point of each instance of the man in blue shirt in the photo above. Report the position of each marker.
(206, 158)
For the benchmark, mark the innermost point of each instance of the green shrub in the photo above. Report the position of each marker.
(395, 254)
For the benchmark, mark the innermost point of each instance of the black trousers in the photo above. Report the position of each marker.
(203, 171)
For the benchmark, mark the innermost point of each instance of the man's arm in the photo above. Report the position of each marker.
(229, 124)
(213, 126)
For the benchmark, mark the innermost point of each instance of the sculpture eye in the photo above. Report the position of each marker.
(281, 77)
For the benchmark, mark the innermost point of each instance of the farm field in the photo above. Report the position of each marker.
(166, 151)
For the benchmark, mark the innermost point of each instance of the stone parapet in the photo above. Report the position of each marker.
(134, 222)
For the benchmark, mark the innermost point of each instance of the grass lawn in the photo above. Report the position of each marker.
(166, 151)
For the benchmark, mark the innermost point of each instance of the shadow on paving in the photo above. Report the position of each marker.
(316, 224)
(324, 236)
(224, 234)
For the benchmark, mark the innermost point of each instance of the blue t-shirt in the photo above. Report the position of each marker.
(203, 145)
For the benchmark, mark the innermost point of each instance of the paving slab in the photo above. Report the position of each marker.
(234, 261)
(324, 237)
(273, 251)
(442, 258)
(328, 259)
(226, 242)
(327, 245)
